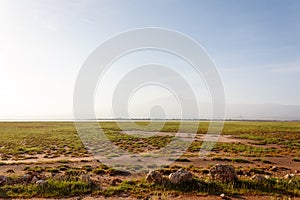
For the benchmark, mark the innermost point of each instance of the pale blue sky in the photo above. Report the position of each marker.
(255, 45)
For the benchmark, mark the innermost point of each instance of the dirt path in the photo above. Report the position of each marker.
(198, 137)
(40, 159)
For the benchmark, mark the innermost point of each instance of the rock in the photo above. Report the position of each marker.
(34, 179)
(86, 178)
(274, 168)
(3, 180)
(289, 176)
(41, 183)
(154, 177)
(258, 178)
(9, 181)
(223, 196)
(26, 178)
(19, 180)
(267, 177)
(223, 173)
(59, 177)
(181, 176)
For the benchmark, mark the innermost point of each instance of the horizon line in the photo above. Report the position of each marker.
(146, 119)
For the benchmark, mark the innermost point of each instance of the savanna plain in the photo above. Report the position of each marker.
(48, 160)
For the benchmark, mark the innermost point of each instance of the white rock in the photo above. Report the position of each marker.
(289, 176)
(258, 177)
(41, 183)
(154, 176)
(267, 177)
(26, 177)
(34, 179)
(181, 176)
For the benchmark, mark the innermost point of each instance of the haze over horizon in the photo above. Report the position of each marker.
(254, 44)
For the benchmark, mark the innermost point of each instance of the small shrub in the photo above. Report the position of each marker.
(182, 160)
(63, 161)
(240, 160)
(99, 171)
(296, 160)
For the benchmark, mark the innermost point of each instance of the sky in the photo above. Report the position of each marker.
(255, 46)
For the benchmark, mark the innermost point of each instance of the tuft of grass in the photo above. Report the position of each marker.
(237, 160)
(221, 159)
(63, 167)
(53, 170)
(296, 159)
(38, 169)
(63, 161)
(99, 171)
(51, 189)
(258, 171)
(182, 160)
(240, 160)
(74, 172)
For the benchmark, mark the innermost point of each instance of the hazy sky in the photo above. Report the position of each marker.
(254, 44)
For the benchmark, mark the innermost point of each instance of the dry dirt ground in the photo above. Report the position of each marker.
(284, 162)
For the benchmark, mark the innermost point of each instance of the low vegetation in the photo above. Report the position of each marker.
(55, 144)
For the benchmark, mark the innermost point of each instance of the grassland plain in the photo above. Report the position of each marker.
(53, 149)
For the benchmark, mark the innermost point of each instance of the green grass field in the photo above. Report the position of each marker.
(259, 146)
(60, 138)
